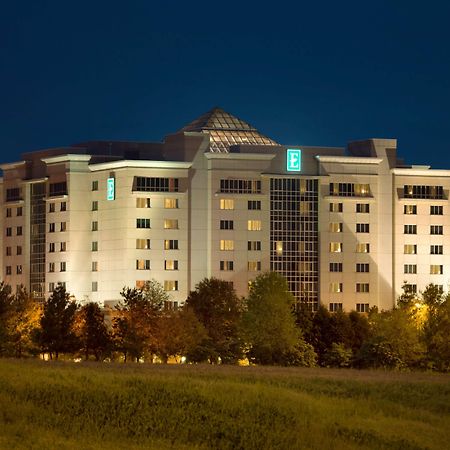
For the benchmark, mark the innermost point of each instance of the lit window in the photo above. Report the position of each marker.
(410, 249)
(226, 265)
(254, 225)
(143, 244)
(171, 244)
(362, 208)
(226, 203)
(335, 227)
(142, 202)
(170, 224)
(140, 284)
(362, 287)
(142, 264)
(336, 287)
(436, 269)
(170, 264)
(254, 266)
(171, 285)
(362, 247)
(336, 207)
(336, 247)
(171, 203)
(410, 209)
(335, 307)
(226, 244)
(279, 247)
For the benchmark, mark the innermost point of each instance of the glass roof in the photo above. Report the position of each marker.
(226, 130)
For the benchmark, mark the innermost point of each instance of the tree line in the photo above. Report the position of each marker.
(217, 326)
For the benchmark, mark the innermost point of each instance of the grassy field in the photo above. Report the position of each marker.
(96, 406)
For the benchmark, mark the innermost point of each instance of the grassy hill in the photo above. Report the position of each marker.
(93, 406)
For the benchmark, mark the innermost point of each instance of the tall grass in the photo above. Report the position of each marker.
(67, 406)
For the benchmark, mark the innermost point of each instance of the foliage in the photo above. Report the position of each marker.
(136, 320)
(93, 335)
(56, 334)
(338, 356)
(99, 406)
(216, 305)
(269, 324)
(6, 299)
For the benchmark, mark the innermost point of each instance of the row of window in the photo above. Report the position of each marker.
(337, 287)
(19, 270)
(18, 250)
(416, 191)
(360, 307)
(252, 266)
(252, 225)
(19, 211)
(169, 224)
(435, 269)
(434, 229)
(9, 231)
(145, 202)
(228, 203)
(338, 247)
(411, 249)
(435, 210)
(360, 267)
(240, 186)
(350, 189)
(52, 207)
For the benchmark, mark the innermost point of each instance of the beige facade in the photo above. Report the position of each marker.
(347, 228)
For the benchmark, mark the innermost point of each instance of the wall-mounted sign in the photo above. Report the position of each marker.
(293, 160)
(110, 189)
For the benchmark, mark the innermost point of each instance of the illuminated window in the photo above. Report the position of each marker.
(436, 210)
(362, 208)
(142, 202)
(335, 267)
(419, 191)
(143, 244)
(362, 307)
(170, 264)
(253, 225)
(436, 249)
(362, 287)
(410, 229)
(410, 268)
(335, 307)
(171, 285)
(336, 247)
(140, 284)
(254, 266)
(142, 264)
(335, 227)
(226, 244)
(362, 227)
(436, 229)
(304, 207)
(171, 244)
(362, 267)
(170, 224)
(254, 204)
(226, 265)
(226, 203)
(95, 185)
(94, 266)
(254, 245)
(95, 226)
(142, 223)
(436, 269)
(279, 247)
(350, 189)
(410, 209)
(336, 207)
(226, 224)
(240, 186)
(171, 203)
(410, 249)
(336, 287)
(362, 247)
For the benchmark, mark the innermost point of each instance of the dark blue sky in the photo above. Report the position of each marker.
(316, 73)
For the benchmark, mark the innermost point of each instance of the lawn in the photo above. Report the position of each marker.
(99, 406)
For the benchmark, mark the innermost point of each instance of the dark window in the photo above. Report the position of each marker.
(58, 189)
(154, 184)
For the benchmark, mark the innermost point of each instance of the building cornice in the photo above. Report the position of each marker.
(65, 158)
(421, 172)
(241, 156)
(348, 159)
(13, 165)
(140, 164)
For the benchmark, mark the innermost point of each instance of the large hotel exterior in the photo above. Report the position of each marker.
(346, 227)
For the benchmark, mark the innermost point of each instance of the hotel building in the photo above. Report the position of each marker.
(346, 227)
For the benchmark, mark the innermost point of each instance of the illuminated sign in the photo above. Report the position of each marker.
(110, 189)
(293, 160)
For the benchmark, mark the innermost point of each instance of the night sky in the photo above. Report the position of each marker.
(316, 73)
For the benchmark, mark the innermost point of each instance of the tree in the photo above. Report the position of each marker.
(136, 320)
(23, 322)
(269, 324)
(338, 355)
(93, 334)
(56, 334)
(216, 305)
(6, 299)
(322, 332)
